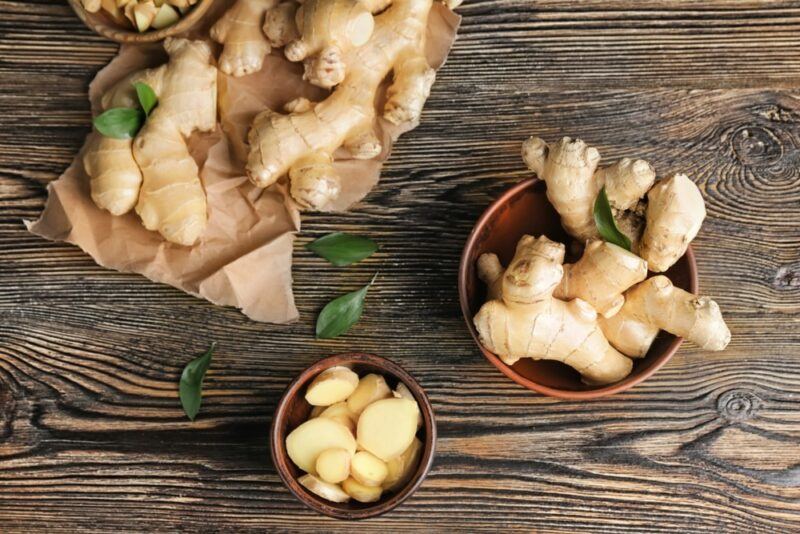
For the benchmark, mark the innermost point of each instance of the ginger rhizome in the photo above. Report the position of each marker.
(240, 31)
(526, 321)
(656, 304)
(660, 220)
(606, 292)
(154, 172)
(350, 46)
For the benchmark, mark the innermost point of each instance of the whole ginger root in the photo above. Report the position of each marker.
(350, 46)
(524, 320)
(661, 220)
(154, 172)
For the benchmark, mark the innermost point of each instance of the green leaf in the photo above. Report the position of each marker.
(606, 225)
(147, 97)
(340, 314)
(191, 386)
(343, 249)
(119, 123)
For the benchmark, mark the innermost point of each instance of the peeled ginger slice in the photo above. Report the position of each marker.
(370, 388)
(387, 427)
(331, 386)
(306, 442)
(367, 469)
(329, 492)
(360, 492)
(333, 465)
(401, 469)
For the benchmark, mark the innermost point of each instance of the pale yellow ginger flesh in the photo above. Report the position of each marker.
(368, 469)
(341, 412)
(239, 30)
(601, 276)
(656, 304)
(402, 468)
(387, 427)
(528, 322)
(170, 197)
(370, 388)
(357, 454)
(333, 465)
(326, 490)
(301, 143)
(671, 217)
(331, 386)
(306, 442)
(361, 492)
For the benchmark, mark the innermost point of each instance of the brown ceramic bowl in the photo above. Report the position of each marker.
(524, 209)
(103, 24)
(293, 410)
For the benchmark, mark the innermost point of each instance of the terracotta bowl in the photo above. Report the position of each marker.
(103, 24)
(293, 410)
(524, 209)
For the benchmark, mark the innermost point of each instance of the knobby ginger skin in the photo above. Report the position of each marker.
(601, 276)
(528, 322)
(169, 198)
(301, 143)
(239, 29)
(671, 217)
(656, 304)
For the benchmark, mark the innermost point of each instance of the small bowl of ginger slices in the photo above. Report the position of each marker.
(140, 21)
(353, 436)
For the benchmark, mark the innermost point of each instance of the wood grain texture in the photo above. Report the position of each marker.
(92, 436)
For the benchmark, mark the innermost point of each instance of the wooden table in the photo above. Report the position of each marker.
(91, 432)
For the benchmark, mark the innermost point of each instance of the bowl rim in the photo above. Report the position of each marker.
(507, 370)
(429, 443)
(122, 35)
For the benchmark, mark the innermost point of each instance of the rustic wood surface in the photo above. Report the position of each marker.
(92, 436)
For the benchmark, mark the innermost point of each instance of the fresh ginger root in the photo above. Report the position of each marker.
(239, 30)
(601, 276)
(527, 321)
(301, 143)
(656, 304)
(171, 199)
(671, 217)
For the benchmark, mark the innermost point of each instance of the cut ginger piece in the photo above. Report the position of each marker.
(401, 469)
(360, 492)
(333, 465)
(370, 389)
(306, 442)
(331, 386)
(402, 392)
(387, 427)
(329, 492)
(368, 469)
(341, 413)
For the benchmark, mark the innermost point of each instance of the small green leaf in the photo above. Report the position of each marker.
(606, 225)
(119, 123)
(340, 314)
(147, 97)
(191, 386)
(343, 249)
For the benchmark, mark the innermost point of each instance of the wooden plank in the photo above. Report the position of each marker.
(92, 435)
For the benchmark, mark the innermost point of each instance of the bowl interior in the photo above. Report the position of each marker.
(293, 410)
(105, 25)
(524, 209)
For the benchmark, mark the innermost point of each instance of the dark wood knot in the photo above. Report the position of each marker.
(738, 405)
(757, 146)
(787, 277)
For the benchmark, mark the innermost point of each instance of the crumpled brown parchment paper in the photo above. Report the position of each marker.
(244, 258)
